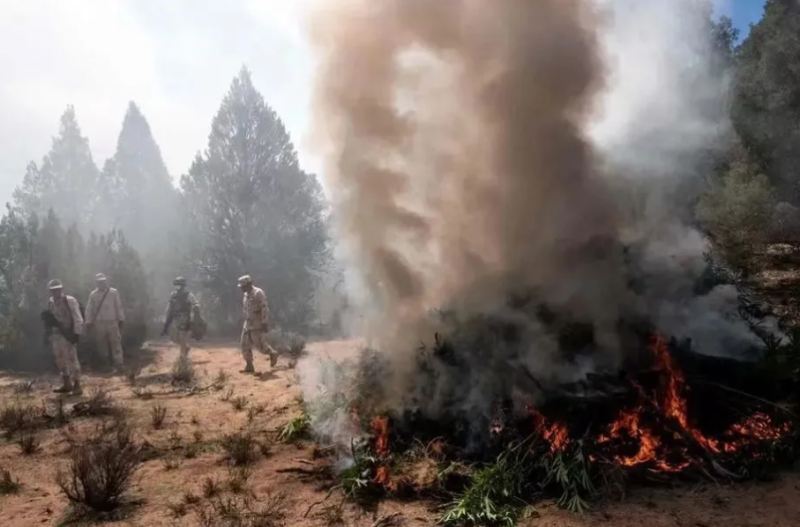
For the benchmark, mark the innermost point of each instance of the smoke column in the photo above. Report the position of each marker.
(474, 148)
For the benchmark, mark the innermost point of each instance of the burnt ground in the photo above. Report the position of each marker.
(204, 417)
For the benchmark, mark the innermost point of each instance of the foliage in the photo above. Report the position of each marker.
(101, 467)
(568, 470)
(8, 484)
(255, 211)
(295, 429)
(496, 492)
(737, 211)
(240, 448)
(766, 95)
(35, 250)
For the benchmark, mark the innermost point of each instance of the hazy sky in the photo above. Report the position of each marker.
(175, 58)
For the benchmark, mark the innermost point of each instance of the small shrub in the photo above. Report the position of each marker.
(183, 372)
(240, 448)
(191, 498)
(101, 467)
(8, 485)
(239, 403)
(227, 395)
(60, 416)
(132, 375)
(221, 379)
(237, 479)
(197, 435)
(211, 487)
(16, 417)
(28, 442)
(24, 387)
(98, 404)
(191, 451)
(195, 421)
(179, 509)
(295, 429)
(142, 393)
(175, 439)
(158, 414)
(171, 463)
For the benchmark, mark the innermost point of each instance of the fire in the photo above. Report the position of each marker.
(671, 405)
(554, 433)
(380, 427)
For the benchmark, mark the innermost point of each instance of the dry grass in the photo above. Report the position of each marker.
(158, 414)
(243, 511)
(239, 403)
(98, 404)
(28, 442)
(8, 484)
(240, 448)
(183, 373)
(211, 487)
(16, 417)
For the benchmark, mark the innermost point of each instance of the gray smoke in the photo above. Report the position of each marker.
(474, 149)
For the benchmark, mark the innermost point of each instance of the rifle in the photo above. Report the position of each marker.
(51, 322)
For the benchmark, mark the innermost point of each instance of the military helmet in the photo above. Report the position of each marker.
(55, 284)
(245, 280)
(179, 281)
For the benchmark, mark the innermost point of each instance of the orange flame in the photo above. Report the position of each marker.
(672, 405)
(380, 427)
(554, 433)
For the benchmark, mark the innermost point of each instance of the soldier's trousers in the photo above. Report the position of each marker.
(254, 339)
(182, 337)
(108, 338)
(66, 357)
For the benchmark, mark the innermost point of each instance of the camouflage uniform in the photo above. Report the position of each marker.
(256, 324)
(105, 314)
(181, 309)
(66, 311)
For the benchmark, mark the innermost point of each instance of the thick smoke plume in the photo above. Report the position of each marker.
(472, 153)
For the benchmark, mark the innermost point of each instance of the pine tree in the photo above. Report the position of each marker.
(255, 210)
(766, 102)
(66, 180)
(139, 199)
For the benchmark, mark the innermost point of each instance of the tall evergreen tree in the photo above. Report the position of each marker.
(66, 180)
(138, 197)
(766, 102)
(255, 211)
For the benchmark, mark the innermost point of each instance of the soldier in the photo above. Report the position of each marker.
(104, 314)
(256, 324)
(64, 335)
(183, 308)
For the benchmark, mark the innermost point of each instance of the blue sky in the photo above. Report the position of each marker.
(745, 12)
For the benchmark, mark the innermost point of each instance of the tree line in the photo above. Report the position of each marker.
(244, 206)
(753, 192)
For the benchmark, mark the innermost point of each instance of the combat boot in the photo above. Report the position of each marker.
(76, 388)
(248, 368)
(66, 387)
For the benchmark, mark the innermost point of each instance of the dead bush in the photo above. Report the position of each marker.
(244, 511)
(240, 448)
(183, 373)
(158, 414)
(28, 442)
(221, 379)
(101, 467)
(142, 393)
(211, 487)
(98, 404)
(8, 485)
(227, 395)
(16, 417)
(239, 403)
(132, 375)
(237, 479)
(179, 509)
(24, 387)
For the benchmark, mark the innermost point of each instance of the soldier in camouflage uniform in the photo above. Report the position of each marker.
(64, 339)
(182, 309)
(256, 324)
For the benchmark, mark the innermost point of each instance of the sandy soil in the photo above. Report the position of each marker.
(203, 417)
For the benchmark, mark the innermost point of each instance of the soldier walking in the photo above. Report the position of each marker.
(104, 314)
(67, 325)
(256, 324)
(182, 309)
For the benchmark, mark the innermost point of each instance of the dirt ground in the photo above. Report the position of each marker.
(203, 417)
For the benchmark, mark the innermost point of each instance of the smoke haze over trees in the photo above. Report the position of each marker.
(244, 205)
